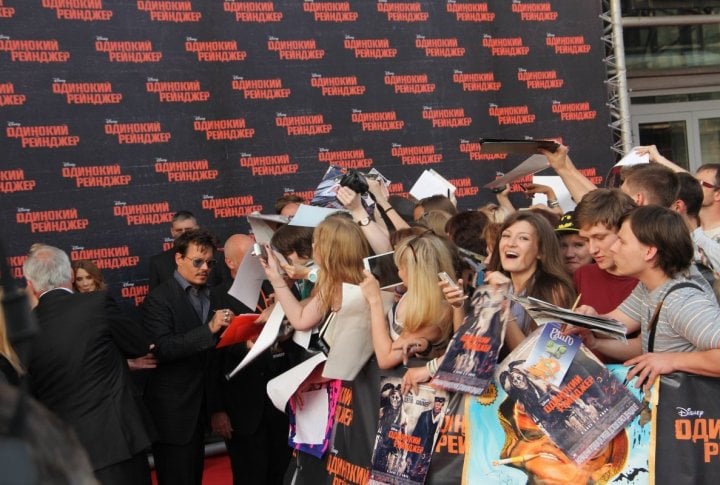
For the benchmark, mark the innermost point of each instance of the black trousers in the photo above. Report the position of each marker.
(134, 471)
(261, 458)
(181, 464)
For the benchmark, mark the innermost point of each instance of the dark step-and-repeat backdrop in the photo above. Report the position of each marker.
(114, 114)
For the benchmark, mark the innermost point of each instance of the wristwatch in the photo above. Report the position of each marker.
(364, 221)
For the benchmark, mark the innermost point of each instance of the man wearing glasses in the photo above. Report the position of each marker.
(708, 176)
(177, 317)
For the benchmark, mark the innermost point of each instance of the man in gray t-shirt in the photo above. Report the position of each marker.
(654, 246)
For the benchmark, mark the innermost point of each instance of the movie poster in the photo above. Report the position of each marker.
(582, 414)
(504, 446)
(408, 426)
(471, 358)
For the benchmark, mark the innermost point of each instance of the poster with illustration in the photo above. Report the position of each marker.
(408, 426)
(505, 446)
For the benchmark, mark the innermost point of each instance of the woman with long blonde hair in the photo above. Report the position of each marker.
(422, 312)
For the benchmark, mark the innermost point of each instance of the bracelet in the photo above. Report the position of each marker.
(553, 203)
(432, 367)
(391, 208)
(276, 287)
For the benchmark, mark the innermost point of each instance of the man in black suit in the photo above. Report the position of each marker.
(427, 424)
(77, 371)
(255, 432)
(177, 318)
(162, 265)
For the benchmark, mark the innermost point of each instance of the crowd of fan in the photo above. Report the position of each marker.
(621, 253)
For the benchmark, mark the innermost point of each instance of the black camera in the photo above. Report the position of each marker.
(354, 180)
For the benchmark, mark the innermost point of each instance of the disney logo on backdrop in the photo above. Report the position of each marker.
(685, 412)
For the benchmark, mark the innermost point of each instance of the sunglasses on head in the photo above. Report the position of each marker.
(198, 262)
(411, 242)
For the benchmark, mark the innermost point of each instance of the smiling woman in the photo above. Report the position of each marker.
(527, 257)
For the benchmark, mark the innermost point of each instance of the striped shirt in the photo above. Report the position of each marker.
(689, 319)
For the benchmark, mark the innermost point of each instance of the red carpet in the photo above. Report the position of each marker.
(217, 471)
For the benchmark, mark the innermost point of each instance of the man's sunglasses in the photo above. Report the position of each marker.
(198, 262)
(708, 185)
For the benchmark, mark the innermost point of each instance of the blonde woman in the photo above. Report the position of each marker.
(422, 314)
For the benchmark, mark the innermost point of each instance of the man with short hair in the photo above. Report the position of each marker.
(598, 218)
(76, 370)
(178, 319)
(162, 265)
(677, 319)
(240, 410)
(288, 204)
(650, 184)
(709, 177)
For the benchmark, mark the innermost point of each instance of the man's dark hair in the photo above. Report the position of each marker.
(288, 239)
(200, 237)
(711, 166)
(183, 216)
(664, 229)
(690, 193)
(603, 206)
(465, 230)
(287, 199)
(658, 184)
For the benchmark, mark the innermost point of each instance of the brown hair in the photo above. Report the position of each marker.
(659, 185)
(603, 206)
(665, 230)
(92, 270)
(550, 281)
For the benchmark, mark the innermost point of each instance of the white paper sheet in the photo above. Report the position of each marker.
(632, 158)
(266, 338)
(311, 215)
(281, 388)
(561, 191)
(248, 281)
(432, 183)
(311, 419)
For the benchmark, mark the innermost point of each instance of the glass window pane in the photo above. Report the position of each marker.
(709, 140)
(670, 138)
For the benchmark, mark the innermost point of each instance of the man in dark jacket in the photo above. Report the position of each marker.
(177, 317)
(77, 371)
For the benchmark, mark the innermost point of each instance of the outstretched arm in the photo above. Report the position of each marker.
(578, 185)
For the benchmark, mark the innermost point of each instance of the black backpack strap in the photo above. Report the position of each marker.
(652, 326)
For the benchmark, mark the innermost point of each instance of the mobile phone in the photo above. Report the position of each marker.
(259, 251)
(383, 268)
(447, 279)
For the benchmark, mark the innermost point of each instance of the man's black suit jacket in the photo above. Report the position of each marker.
(77, 371)
(175, 389)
